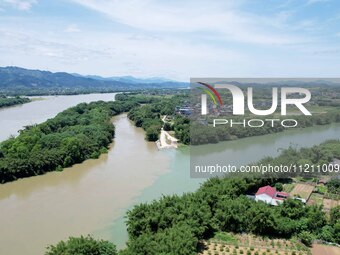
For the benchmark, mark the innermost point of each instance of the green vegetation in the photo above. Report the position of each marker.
(10, 101)
(220, 206)
(177, 224)
(316, 155)
(82, 246)
(201, 133)
(74, 135)
(173, 224)
(148, 116)
(333, 186)
(226, 237)
(182, 129)
(80, 133)
(306, 237)
(19, 81)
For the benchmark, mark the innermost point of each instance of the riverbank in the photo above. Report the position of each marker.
(74, 135)
(114, 183)
(166, 141)
(12, 101)
(15, 118)
(92, 197)
(83, 199)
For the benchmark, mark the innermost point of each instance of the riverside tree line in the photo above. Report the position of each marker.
(177, 224)
(173, 224)
(10, 101)
(148, 116)
(74, 135)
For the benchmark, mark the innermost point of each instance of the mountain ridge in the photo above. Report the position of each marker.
(20, 81)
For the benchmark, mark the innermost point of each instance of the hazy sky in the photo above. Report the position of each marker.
(176, 39)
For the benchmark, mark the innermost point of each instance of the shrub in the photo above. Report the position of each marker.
(82, 245)
(306, 238)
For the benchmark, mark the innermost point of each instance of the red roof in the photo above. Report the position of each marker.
(268, 190)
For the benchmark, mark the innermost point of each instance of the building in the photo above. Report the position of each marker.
(185, 110)
(270, 196)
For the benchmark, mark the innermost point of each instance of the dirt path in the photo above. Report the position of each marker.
(166, 141)
(319, 249)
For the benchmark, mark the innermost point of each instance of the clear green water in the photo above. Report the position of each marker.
(242, 151)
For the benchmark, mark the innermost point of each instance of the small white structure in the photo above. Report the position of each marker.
(270, 196)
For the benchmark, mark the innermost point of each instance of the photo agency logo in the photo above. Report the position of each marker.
(225, 112)
(289, 96)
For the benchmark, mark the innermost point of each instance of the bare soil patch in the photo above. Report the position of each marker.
(319, 249)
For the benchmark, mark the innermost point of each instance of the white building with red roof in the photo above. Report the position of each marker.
(270, 196)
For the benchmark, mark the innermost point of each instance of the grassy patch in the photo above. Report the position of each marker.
(288, 187)
(322, 189)
(226, 237)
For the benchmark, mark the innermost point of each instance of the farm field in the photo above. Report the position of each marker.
(226, 243)
(302, 190)
(328, 204)
(315, 199)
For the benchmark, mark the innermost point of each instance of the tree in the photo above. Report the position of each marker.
(306, 238)
(167, 126)
(327, 234)
(152, 134)
(82, 246)
(177, 240)
(279, 186)
(335, 215)
(74, 135)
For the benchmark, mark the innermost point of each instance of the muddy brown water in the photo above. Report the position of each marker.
(82, 199)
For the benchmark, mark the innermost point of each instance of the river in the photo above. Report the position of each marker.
(83, 199)
(40, 109)
(92, 197)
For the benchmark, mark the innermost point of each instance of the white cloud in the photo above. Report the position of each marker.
(117, 54)
(23, 5)
(72, 28)
(222, 19)
(174, 39)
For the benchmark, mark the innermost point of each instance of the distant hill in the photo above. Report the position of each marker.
(127, 79)
(20, 81)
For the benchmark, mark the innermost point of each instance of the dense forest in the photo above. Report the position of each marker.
(173, 224)
(10, 101)
(196, 132)
(180, 222)
(84, 131)
(177, 224)
(148, 116)
(77, 134)
(201, 133)
(318, 155)
(74, 135)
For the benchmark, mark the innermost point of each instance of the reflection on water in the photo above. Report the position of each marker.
(82, 199)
